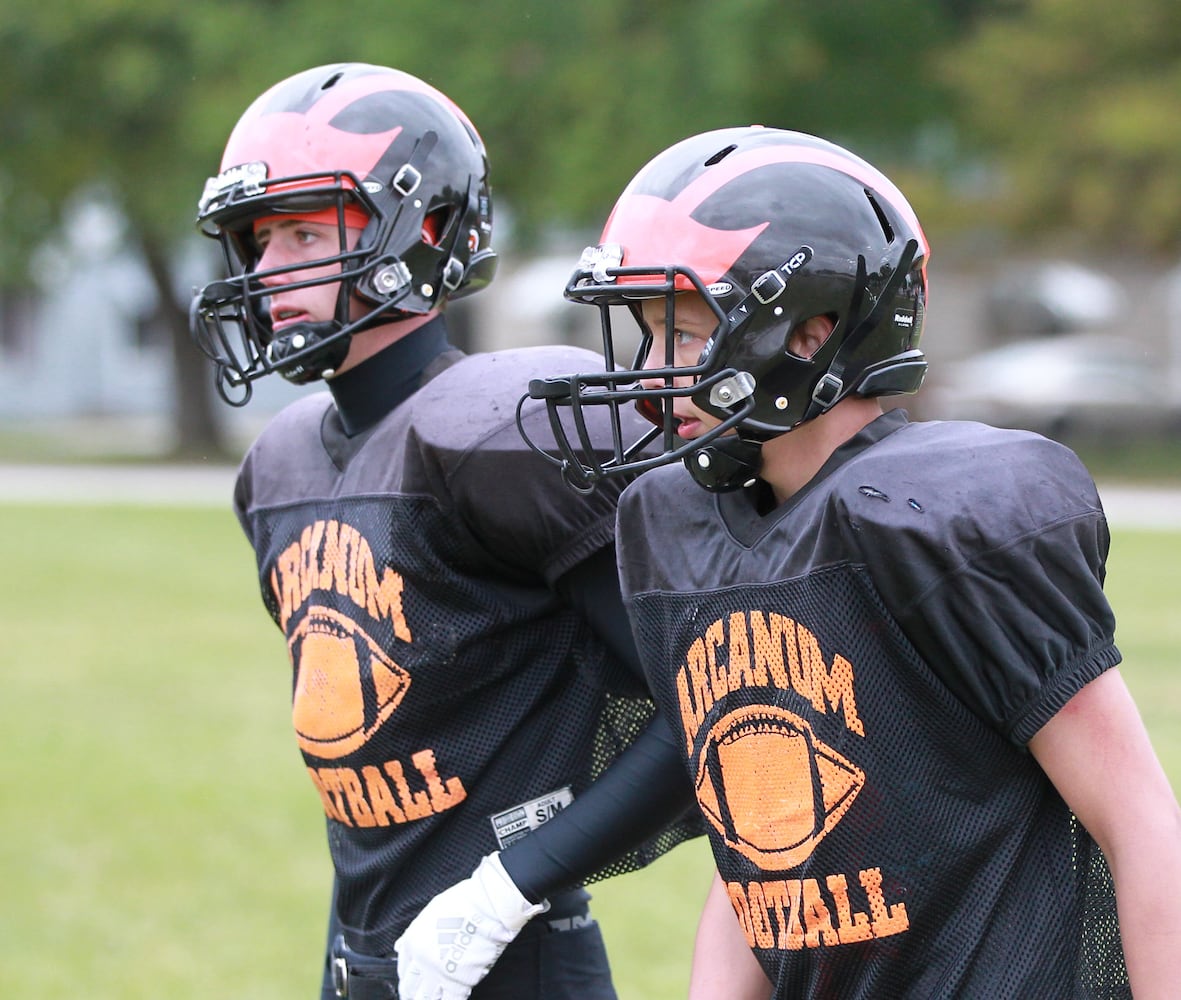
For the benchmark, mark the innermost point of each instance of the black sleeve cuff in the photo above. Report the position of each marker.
(643, 791)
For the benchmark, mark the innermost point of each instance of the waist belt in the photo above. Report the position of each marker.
(362, 977)
(374, 977)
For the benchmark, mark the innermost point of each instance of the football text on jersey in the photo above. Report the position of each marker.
(347, 684)
(770, 786)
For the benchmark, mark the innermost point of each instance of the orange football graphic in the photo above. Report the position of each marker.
(770, 787)
(346, 685)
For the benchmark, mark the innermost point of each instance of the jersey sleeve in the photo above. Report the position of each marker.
(290, 430)
(1003, 597)
(508, 495)
(242, 495)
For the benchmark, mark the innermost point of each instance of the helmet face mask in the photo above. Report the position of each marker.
(770, 228)
(366, 146)
(231, 318)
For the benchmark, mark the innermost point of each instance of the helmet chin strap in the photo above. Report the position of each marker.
(306, 351)
(727, 464)
(313, 355)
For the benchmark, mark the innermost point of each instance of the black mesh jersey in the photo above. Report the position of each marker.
(856, 674)
(444, 701)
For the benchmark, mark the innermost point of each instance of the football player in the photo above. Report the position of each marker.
(462, 665)
(885, 643)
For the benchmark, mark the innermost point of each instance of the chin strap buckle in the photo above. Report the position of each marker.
(729, 463)
(828, 390)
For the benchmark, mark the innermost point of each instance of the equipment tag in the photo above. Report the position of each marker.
(515, 822)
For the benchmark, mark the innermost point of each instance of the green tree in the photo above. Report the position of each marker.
(1075, 104)
(573, 98)
(135, 101)
(104, 99)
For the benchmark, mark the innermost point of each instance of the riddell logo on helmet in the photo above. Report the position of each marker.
(904, 319)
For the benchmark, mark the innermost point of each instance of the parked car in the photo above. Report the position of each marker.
(1050, 298)
(1071, 384)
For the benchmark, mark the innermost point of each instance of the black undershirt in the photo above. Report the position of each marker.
(367, 392)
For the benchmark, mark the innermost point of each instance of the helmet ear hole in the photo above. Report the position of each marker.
(809, 336)
(434, 225)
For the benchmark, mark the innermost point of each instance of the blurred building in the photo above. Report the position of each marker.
(1011, 342)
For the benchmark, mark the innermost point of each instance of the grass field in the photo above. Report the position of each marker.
(159, 837)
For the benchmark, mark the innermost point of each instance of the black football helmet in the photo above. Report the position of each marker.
(771, 227)
(355, 143)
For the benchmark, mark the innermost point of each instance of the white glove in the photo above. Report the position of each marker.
(457, 938)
